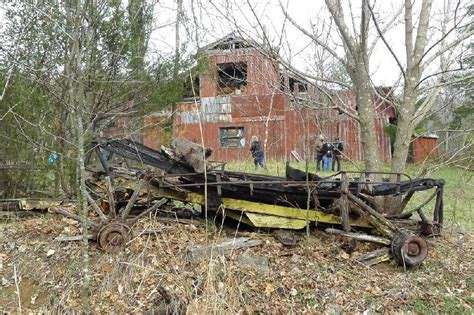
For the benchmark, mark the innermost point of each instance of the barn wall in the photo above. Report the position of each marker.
(262, 109)
(424, 147)
(156, 130)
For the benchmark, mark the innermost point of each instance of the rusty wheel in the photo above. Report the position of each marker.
(113, 237)
(409, 250)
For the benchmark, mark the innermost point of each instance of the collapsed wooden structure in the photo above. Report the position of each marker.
(120, 194)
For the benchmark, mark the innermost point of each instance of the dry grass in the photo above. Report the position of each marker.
(154, 274)
(316, 276)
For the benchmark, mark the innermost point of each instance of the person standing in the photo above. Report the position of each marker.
(337, 154)
(326, 150)
(257, 153)
(318, 154)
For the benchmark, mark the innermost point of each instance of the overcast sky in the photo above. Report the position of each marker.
(213, 19)
(217, 18)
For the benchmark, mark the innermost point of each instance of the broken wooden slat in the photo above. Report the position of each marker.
(375, 223)
(151, 209)
(73, 238)
(133, 199)
(74, 217)
(360, 237)
(374, 257)
(344, 203)
(390, 227)
(110, 196)
(96, 208)
(198, 253)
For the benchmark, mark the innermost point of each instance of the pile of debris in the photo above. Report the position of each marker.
(129, 181)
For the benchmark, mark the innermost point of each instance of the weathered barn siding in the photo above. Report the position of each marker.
(266, 106)
(156, 130)
(424, 147)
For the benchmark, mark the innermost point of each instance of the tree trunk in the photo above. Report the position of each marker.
(406, 114)
(404, 132)
(74, 69)
(367, 115)
(368, 133)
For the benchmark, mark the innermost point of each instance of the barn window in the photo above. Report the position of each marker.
(232, 137)
(297, 86)
(232, 78)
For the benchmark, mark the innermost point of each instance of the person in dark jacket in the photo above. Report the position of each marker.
(318, 155)
(326, 151)
(257, 153)
(337, 154)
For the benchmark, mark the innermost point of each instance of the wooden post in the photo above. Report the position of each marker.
(94, 205)
(344, 203)
(110, 196)
(132, 200)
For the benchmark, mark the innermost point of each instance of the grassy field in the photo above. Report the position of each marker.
(458, 192)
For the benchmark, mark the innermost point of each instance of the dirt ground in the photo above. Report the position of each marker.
(155, 274)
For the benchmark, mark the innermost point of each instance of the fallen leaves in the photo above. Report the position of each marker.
(107, 267)
(312, 277)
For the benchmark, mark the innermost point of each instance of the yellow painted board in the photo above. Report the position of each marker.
(274, 210)
(265, 221)
(271, 221)
(238, 216)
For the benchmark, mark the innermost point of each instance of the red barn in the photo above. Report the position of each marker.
(242, 93)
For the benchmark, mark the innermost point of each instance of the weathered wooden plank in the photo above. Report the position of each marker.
(193, 153)
(110, 196)
(96, 208)
(344, 203)
(271, 221)
(198, 253)
(360, 237)
(375, 257)
(132, 199)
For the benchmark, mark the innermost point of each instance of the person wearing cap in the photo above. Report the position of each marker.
(257, 153)
(326, 152)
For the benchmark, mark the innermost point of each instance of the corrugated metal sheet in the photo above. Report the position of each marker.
(188, 118)
(216, 105)
(218, 118)
(214, 109)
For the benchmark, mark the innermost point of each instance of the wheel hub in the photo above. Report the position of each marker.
(113, 237)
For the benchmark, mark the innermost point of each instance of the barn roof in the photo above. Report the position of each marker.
(231, 41)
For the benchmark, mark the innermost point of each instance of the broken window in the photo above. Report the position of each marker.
(296, 86)
(191, 87)
(232, 137)
(231, 78)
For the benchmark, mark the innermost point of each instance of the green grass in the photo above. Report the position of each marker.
(458, 191)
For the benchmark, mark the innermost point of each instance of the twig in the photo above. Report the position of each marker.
(73, 238)
(17, 285)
